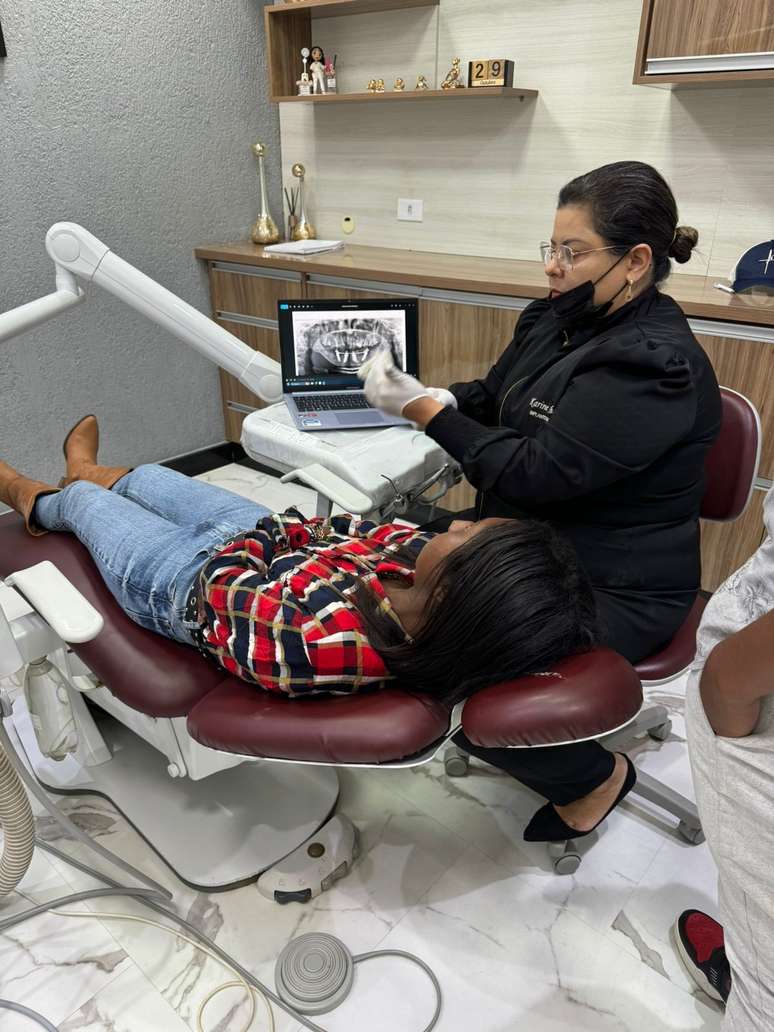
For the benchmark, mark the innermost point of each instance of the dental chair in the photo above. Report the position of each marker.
(730, 472)
(225, 781)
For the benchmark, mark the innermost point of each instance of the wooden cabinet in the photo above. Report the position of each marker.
(250, 293)
(725, 546)
(244, 302)
(747, 366)
(461, 342)
(705, 42)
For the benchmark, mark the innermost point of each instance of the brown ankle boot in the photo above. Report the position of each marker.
(21, 493)
(80, 450)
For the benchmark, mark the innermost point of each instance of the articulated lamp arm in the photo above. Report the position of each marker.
(78, 254)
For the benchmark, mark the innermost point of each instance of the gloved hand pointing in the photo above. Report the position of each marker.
(391, 390)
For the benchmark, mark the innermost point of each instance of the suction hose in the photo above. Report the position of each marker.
(18, 826)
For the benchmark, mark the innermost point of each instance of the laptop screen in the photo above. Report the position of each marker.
(324, 343)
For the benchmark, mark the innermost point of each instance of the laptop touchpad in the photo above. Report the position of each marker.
(359, 418)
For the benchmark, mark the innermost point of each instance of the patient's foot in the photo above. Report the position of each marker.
(584, 814)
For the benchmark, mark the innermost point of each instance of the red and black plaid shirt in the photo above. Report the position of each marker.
(274, 604)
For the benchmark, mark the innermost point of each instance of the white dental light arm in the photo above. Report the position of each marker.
(77, 253)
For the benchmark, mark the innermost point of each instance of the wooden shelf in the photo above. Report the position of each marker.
(337, 8)
(482, 93)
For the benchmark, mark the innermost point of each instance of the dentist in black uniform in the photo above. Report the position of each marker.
(597, 418)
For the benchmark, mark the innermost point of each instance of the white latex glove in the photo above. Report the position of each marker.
(387, 387)
(442, 396)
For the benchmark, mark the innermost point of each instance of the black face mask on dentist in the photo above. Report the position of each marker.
(577, 305)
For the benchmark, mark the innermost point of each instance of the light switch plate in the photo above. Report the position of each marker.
(410, 209)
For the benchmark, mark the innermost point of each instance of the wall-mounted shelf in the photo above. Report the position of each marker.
(480, 94)
(337, 8)
(289, 29)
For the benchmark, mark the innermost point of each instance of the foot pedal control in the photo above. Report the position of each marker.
(314, 866)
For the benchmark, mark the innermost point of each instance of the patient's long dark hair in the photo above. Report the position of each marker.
(510, 601)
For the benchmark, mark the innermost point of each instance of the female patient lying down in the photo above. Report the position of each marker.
(303, 606)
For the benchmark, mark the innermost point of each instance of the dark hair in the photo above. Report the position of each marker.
(630, 204)
(512, 600)
(322, 52)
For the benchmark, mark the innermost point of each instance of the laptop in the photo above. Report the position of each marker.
(322, 346)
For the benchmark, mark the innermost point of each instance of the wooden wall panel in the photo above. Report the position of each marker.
(679, 28)
(461, 342)
(747, 366)
(726, 546)
(266, 341)
(250, 295)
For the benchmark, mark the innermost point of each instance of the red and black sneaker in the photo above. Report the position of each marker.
(700, 945)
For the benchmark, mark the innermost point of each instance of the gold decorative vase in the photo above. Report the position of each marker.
(303, 229)
(264, 229)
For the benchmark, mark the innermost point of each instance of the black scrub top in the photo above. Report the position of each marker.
(601, 428)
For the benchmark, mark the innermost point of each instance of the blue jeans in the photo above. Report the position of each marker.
(149, 536)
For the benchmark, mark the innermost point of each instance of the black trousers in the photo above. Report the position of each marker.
(634, 626)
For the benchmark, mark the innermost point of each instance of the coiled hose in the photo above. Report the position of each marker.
(18, 826)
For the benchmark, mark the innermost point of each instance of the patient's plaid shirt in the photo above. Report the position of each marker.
(274, 604)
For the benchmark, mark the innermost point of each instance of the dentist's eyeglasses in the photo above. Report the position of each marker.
(564, 255)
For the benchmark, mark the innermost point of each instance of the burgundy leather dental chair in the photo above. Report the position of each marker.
(730, 472)
(206, 724)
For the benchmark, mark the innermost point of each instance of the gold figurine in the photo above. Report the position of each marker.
(380, 85)
(264, 229)
(422, 83)
(399, 86)
(303, 229)
(372, 85)
(453, 80)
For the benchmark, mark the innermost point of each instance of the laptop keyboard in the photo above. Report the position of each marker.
(331, 402)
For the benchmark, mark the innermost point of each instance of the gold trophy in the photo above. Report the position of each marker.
(303, 229)
(264, 229)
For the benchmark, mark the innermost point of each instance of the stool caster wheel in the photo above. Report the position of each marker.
(456, 763)
(662, 732)
(565, 858)
(691, 833)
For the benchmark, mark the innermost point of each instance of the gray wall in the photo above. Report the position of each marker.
(135, 120)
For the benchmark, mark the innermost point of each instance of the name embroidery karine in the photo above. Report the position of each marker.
(541, 409)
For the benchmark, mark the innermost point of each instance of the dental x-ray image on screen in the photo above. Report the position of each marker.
(340, 342)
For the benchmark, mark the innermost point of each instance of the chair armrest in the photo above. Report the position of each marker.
(58, 601)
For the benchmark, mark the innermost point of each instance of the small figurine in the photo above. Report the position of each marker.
(380, 86)
(453, 80)
(372, 85)
(399, 86)
(317, 68)
(421, 83)
(330, 74)
(303, 84)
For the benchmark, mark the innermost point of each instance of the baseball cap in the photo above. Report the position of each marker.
(755, 268)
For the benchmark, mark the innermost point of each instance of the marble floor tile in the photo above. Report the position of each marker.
(129, 1003)
(53, 964)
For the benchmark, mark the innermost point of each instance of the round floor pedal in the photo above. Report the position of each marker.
(314, 973)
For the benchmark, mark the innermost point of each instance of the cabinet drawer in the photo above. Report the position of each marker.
(747, 366)
(232, 391)
(250, 293)
(726, 546)
(460, 342)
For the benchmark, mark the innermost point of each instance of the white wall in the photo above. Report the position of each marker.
(489, 171)
(134, 119)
